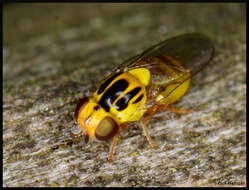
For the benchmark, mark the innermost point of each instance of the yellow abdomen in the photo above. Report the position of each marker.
(173, 93)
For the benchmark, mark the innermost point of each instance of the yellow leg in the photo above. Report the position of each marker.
(114, 142)
(112, 148)
(152, 111)
(148, 136)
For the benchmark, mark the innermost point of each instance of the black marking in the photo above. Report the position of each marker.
(138, 99)
(96, 108)
(134, 92)
(123, 102)
(107, 82)
(112, 94)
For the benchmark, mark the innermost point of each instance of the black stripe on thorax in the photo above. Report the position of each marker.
(106, 83)
(138, 99)
(112, 93)
(123, 102)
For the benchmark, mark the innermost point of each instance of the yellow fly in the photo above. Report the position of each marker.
(142, 86)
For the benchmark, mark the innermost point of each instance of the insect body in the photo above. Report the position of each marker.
(142, 86)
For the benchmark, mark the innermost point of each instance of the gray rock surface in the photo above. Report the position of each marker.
(54, 54)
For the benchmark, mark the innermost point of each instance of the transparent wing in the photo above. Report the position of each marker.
(191, 51)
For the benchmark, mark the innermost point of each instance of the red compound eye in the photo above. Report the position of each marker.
(81, 104)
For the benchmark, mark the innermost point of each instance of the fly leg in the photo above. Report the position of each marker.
(114, 142)
(151, 111)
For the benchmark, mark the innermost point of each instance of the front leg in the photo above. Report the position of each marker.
(114, 142)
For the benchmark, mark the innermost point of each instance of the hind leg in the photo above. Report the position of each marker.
(151, 111)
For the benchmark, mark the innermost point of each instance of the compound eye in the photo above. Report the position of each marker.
(106, 129)
(81, 104)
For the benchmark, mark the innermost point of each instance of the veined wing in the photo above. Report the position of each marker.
(192, 50)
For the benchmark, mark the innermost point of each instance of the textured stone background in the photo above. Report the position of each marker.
(54, 54)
